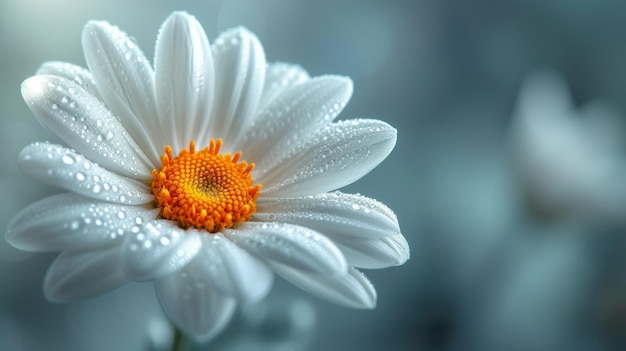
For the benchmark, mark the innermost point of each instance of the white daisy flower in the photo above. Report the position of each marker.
(207, 227)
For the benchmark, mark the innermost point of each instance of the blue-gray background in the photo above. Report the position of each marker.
(446, 74)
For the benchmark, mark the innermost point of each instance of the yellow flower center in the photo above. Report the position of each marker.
(205, 189)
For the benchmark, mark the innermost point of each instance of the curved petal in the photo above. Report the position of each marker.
(351, 289)
(125, 81)
(69, 170)
(333, 157)
(85, 124)
(279, 78)
(72, 222)
(290, 245)
(294, 115)
(78, 75)
(156, 248)
(194, 307)
(230, 269)
(77, 275)
(373, 253)
(333, 214)
(185, 79)
(239, 75)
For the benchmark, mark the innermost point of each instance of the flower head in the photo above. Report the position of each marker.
(205, 174)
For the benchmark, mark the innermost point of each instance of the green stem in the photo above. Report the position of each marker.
(181, 341)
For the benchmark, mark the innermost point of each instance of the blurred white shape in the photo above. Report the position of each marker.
(568, 160)
(160, 333)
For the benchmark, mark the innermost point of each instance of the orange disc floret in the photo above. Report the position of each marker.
(205, 189)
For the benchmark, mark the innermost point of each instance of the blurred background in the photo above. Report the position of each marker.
(515, 224)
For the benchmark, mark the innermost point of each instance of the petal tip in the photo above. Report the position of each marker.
(33, 88)
(96, 25)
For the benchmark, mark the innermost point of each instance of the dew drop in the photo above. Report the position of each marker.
(67, 159)
(74, 225)
(121, 214)
(80, 177)
(165, 241)
(96, 188)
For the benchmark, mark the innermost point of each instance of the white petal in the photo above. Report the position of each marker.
(84, 123)
(333, 157)
(157, 248)
(125, 81)
(78, 75)
(332, 214)
(239, 75)
(230, 269)
(82, 274)
(374, 253)
(279, 78)
(67, 169)
(185, 79)
(291, 245)
(72, 222)
(351, 289)
(194, 307)
(294, 115)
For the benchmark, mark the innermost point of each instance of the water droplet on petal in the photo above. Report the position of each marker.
(67, 159)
